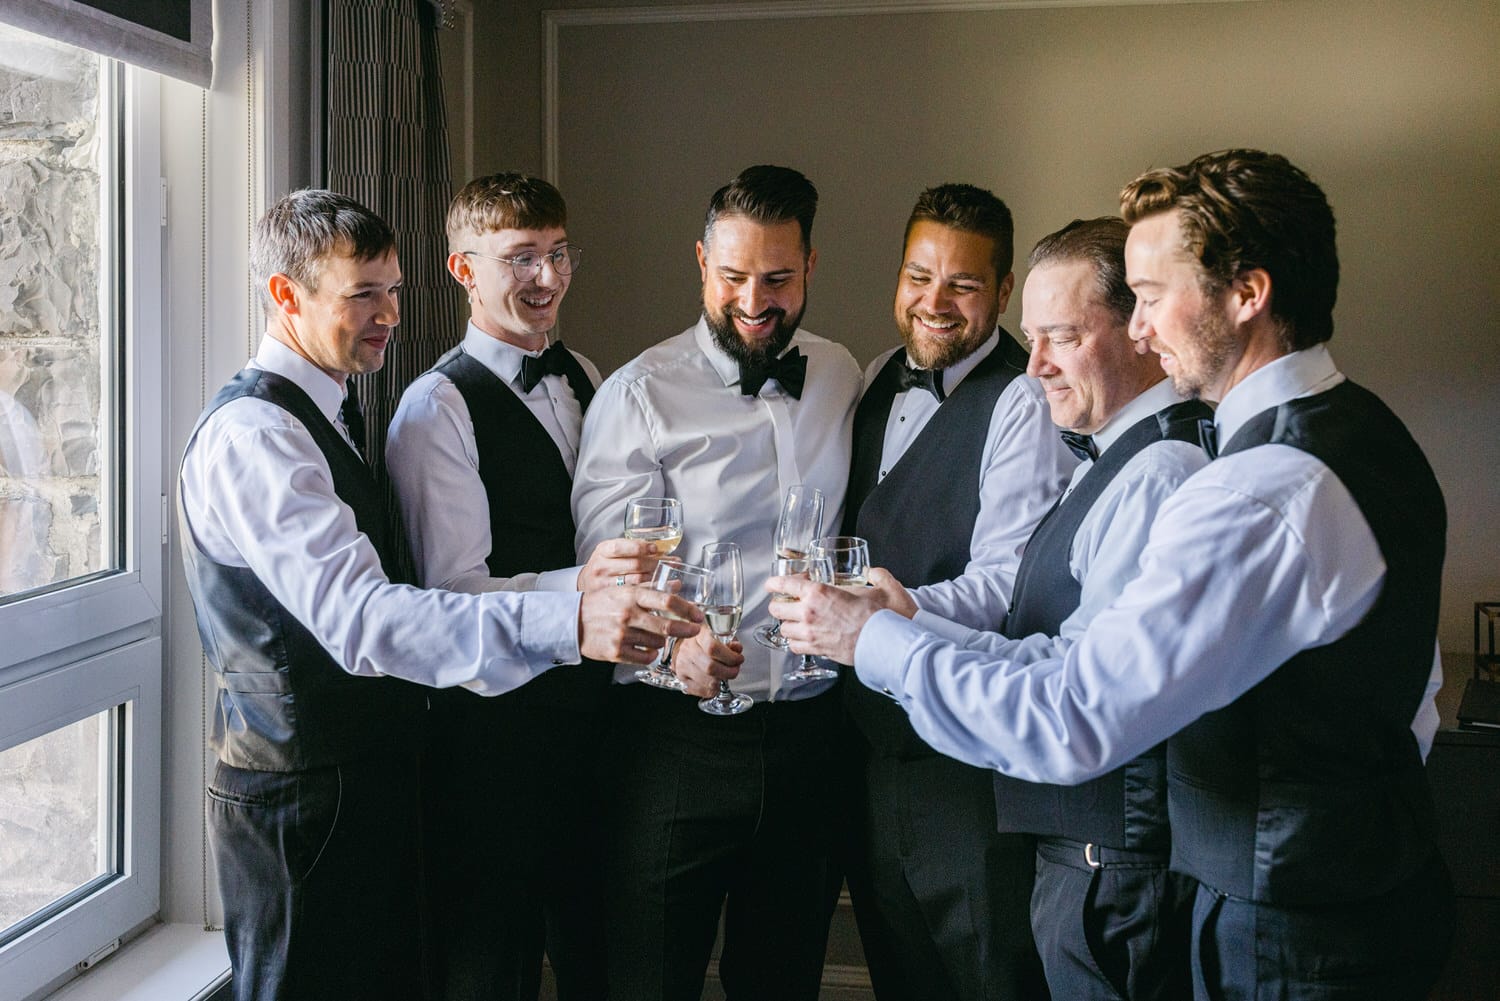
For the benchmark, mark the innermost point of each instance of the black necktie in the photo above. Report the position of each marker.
(549, 362)
(1081, 445)
(1208, 437)
(790, 370)
(353, 418)
(930, 379)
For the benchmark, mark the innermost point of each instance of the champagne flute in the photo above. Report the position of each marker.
(722, 607)
(686, 581)
(799, 523)
(657, 520)
(840, 560)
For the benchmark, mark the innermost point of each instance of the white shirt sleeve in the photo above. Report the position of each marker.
(617, 460)
(1232, 585)
(1026, 467)
(258, 493)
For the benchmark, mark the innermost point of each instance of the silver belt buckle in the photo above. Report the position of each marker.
(1088, 856)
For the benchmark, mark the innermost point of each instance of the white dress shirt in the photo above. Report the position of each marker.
(672, 423)
(433, 462)
(257, 492)
(1258, 556)
(1024, 467)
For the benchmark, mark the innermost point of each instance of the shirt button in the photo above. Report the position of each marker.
(903, 418)
(557, 662)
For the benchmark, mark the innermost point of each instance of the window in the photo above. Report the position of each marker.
(80, 506)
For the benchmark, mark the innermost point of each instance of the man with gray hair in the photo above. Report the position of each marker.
(288, 554)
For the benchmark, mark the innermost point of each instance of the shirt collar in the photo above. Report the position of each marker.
(1156, 398)
(954, 374)
(500, 357)
(723, 365)
(327, 394)
(1301, 373)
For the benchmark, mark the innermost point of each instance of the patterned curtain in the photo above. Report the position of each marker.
(386, 145)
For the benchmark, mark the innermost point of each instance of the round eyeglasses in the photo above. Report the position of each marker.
(527, 266)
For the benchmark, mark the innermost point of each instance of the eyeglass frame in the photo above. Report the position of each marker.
(563, 253)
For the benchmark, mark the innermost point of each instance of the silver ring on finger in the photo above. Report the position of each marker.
(619, 580)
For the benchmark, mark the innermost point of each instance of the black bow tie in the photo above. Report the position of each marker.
(1081, 445)
(930, 379)
(352, 415)
(790, 370)
(1208, 437)
(549, 362)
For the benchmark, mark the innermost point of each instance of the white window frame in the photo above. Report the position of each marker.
(81, 649)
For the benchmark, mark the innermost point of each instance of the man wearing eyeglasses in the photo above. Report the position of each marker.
(482, 451)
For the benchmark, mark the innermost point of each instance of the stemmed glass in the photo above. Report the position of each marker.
(841, 560)
(657, 520)
(722, 606)
(799, 523)
(688, 582)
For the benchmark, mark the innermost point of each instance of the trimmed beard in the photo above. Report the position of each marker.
(728, 340)
(947, 353)
(1213, 345)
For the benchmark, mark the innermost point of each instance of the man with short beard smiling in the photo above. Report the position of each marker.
(725, 417)
(956, 460)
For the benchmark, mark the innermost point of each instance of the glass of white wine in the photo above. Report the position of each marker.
(657, 520)
(685, 581)
(840, 560)
(800, 521)
(722, 607)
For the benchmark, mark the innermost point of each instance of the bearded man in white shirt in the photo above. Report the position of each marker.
(481, 452)
(1280, 632)
(956, 460)
(725, 417)
(313, 805)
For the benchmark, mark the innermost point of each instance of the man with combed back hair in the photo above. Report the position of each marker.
(733, 813)
(955, 462)
(481, 452)
(313, 805)
(1281, 630)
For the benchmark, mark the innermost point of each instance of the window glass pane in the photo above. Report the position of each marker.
(57, 328)
(57, 817)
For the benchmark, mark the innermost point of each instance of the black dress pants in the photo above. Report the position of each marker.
(318, 873)
(1117, 930)
(1389, 948)
(710, 813)
(512, 839)
(941, 899)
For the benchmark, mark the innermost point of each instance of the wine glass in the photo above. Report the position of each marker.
(722, 606)
(657, 520)
(686, 581)
(840, 560)
(800, 521)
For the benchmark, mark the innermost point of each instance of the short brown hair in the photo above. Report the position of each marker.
(504, 201)
(303, 229)
(1101, 243)
(1242, 209)
(972, 210)
(767, 194)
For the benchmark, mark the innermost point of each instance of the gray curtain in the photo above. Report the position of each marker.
(386, 145)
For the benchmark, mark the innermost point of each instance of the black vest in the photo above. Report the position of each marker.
(919, 520)
(1310, 788)
(1127, 808)
(530, 499)
(283, 703)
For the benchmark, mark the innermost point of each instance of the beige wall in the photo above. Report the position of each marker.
(1393, 106)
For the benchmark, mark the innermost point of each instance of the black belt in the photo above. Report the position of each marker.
(1086, 856)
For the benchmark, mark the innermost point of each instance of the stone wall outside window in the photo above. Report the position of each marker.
(50, 324)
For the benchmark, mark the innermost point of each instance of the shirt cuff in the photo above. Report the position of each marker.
(881, 652)
(565, 579)
(549, 628)
(930, 622)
